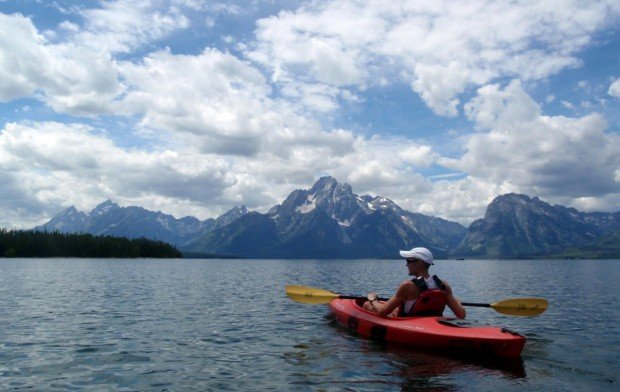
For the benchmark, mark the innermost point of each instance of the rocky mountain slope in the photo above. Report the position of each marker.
(330, 221)
(519, 226)
(109, 218)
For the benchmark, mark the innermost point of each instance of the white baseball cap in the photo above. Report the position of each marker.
(418, 253)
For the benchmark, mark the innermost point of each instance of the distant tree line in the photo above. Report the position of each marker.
(29, 243)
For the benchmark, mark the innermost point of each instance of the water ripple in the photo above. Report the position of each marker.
(154, 325)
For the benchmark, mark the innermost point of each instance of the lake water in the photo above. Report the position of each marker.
(172, 325)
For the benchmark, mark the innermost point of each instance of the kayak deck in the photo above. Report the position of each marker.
(428, 332)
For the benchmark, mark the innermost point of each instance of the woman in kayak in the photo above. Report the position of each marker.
(421, 296)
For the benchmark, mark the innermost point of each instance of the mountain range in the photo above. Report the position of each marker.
(330, 221)
(108, 218)
(519, 226)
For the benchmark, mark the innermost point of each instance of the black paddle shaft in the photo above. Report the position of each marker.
(341, 296)
(476, 304)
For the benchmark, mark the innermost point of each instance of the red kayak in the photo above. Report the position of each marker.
(428, 332)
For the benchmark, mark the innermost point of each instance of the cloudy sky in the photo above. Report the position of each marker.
(193, 107)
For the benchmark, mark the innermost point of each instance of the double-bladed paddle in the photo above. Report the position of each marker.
(512, 307)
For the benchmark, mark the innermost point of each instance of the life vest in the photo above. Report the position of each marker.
(430, 302)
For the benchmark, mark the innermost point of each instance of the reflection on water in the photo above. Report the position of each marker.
(416, 364)
(346, 360)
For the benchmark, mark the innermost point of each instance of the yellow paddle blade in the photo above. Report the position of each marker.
(521, 306)
(309, 295)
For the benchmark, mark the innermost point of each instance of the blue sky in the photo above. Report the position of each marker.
(193, 107)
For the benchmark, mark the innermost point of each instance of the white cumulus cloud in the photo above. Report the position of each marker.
(549, 156)
(54, 165)
(614, 89)
(439, 47)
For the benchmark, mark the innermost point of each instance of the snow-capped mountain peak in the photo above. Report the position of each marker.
(104, 208)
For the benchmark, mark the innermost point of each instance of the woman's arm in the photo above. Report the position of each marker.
(454, 304)
(385, 308)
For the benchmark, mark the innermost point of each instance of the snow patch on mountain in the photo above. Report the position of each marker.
(165, 223)
(309, 205)
(345, 223)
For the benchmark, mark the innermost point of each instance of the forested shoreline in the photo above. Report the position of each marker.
(29, 243)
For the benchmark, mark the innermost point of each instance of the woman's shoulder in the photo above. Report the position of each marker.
(408, 286)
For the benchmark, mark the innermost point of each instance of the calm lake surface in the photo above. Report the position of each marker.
(178, 325)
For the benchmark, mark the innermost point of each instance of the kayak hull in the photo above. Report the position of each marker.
(428, 332)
